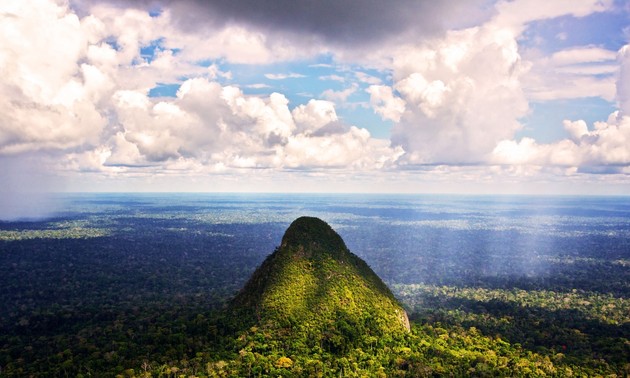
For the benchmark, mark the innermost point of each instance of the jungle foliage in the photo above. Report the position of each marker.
(152, 293)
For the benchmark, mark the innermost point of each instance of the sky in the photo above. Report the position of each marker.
(481, 96)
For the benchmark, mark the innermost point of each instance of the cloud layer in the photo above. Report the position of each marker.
(94, 96)
(453, 79)
(221, 127)
(462, 95)
(344, 24)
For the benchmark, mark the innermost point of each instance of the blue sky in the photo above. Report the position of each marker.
(300, 81)
(523, 96)
(311, 78)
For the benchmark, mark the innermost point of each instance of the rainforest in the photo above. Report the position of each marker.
(214, 285)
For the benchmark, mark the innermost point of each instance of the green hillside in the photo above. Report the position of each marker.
(312, 309)
(314, 288)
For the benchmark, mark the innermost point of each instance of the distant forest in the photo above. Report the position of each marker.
(139, 288)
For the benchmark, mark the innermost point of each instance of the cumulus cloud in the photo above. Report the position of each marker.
(385, 103)
(314, 115)
(354, 149)
(366, 78)
(462, 95)
(132, 26)
(528, 152)
(604, 148)
(341, 96)
(220, 125)
(77, 80)
(46, 103)
(75, 95)
(456, 98)
(605, 145)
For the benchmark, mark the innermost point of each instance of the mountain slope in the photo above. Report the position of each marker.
(314, 287)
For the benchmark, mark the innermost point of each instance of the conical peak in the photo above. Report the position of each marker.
(295, 284)
(312, 234)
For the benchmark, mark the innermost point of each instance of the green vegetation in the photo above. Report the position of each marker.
(315, 301)
(578, 331)
(62, 231)
(153, 295)
(604, 308)
(313, 278)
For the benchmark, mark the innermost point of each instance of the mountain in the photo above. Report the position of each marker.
(314, 287)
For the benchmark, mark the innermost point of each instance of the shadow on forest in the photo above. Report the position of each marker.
(604, 276)
(537, 329)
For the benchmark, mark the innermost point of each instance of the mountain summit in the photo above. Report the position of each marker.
(314, 286)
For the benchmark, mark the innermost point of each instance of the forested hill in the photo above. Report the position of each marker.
(312, 284)
(188, 286)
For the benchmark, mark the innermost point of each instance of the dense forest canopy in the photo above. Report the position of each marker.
(139, 286)
(314, 291)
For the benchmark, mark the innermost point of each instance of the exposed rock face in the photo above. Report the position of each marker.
(312, 281)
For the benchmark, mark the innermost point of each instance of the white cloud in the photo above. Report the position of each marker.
(215, 72)
(87, 161)
(428, 96)
(385, 103)
(234, 43)
(367, 79)
(258, 86)
(605, 145)
(314, 115)
(576, 129)
(217, 125)
(576, 72)
(527, 152)
(46, 97)
(116, 39)
(623, 81)
(568, 86)
(590, 70)
(120, 152)
(354, 149)
(79, 88)
(512, 152)
(579, 55)
(462, 95)
(585, 71)
(340, 97)
(517, 14)
(291, 75)
(333, 78)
